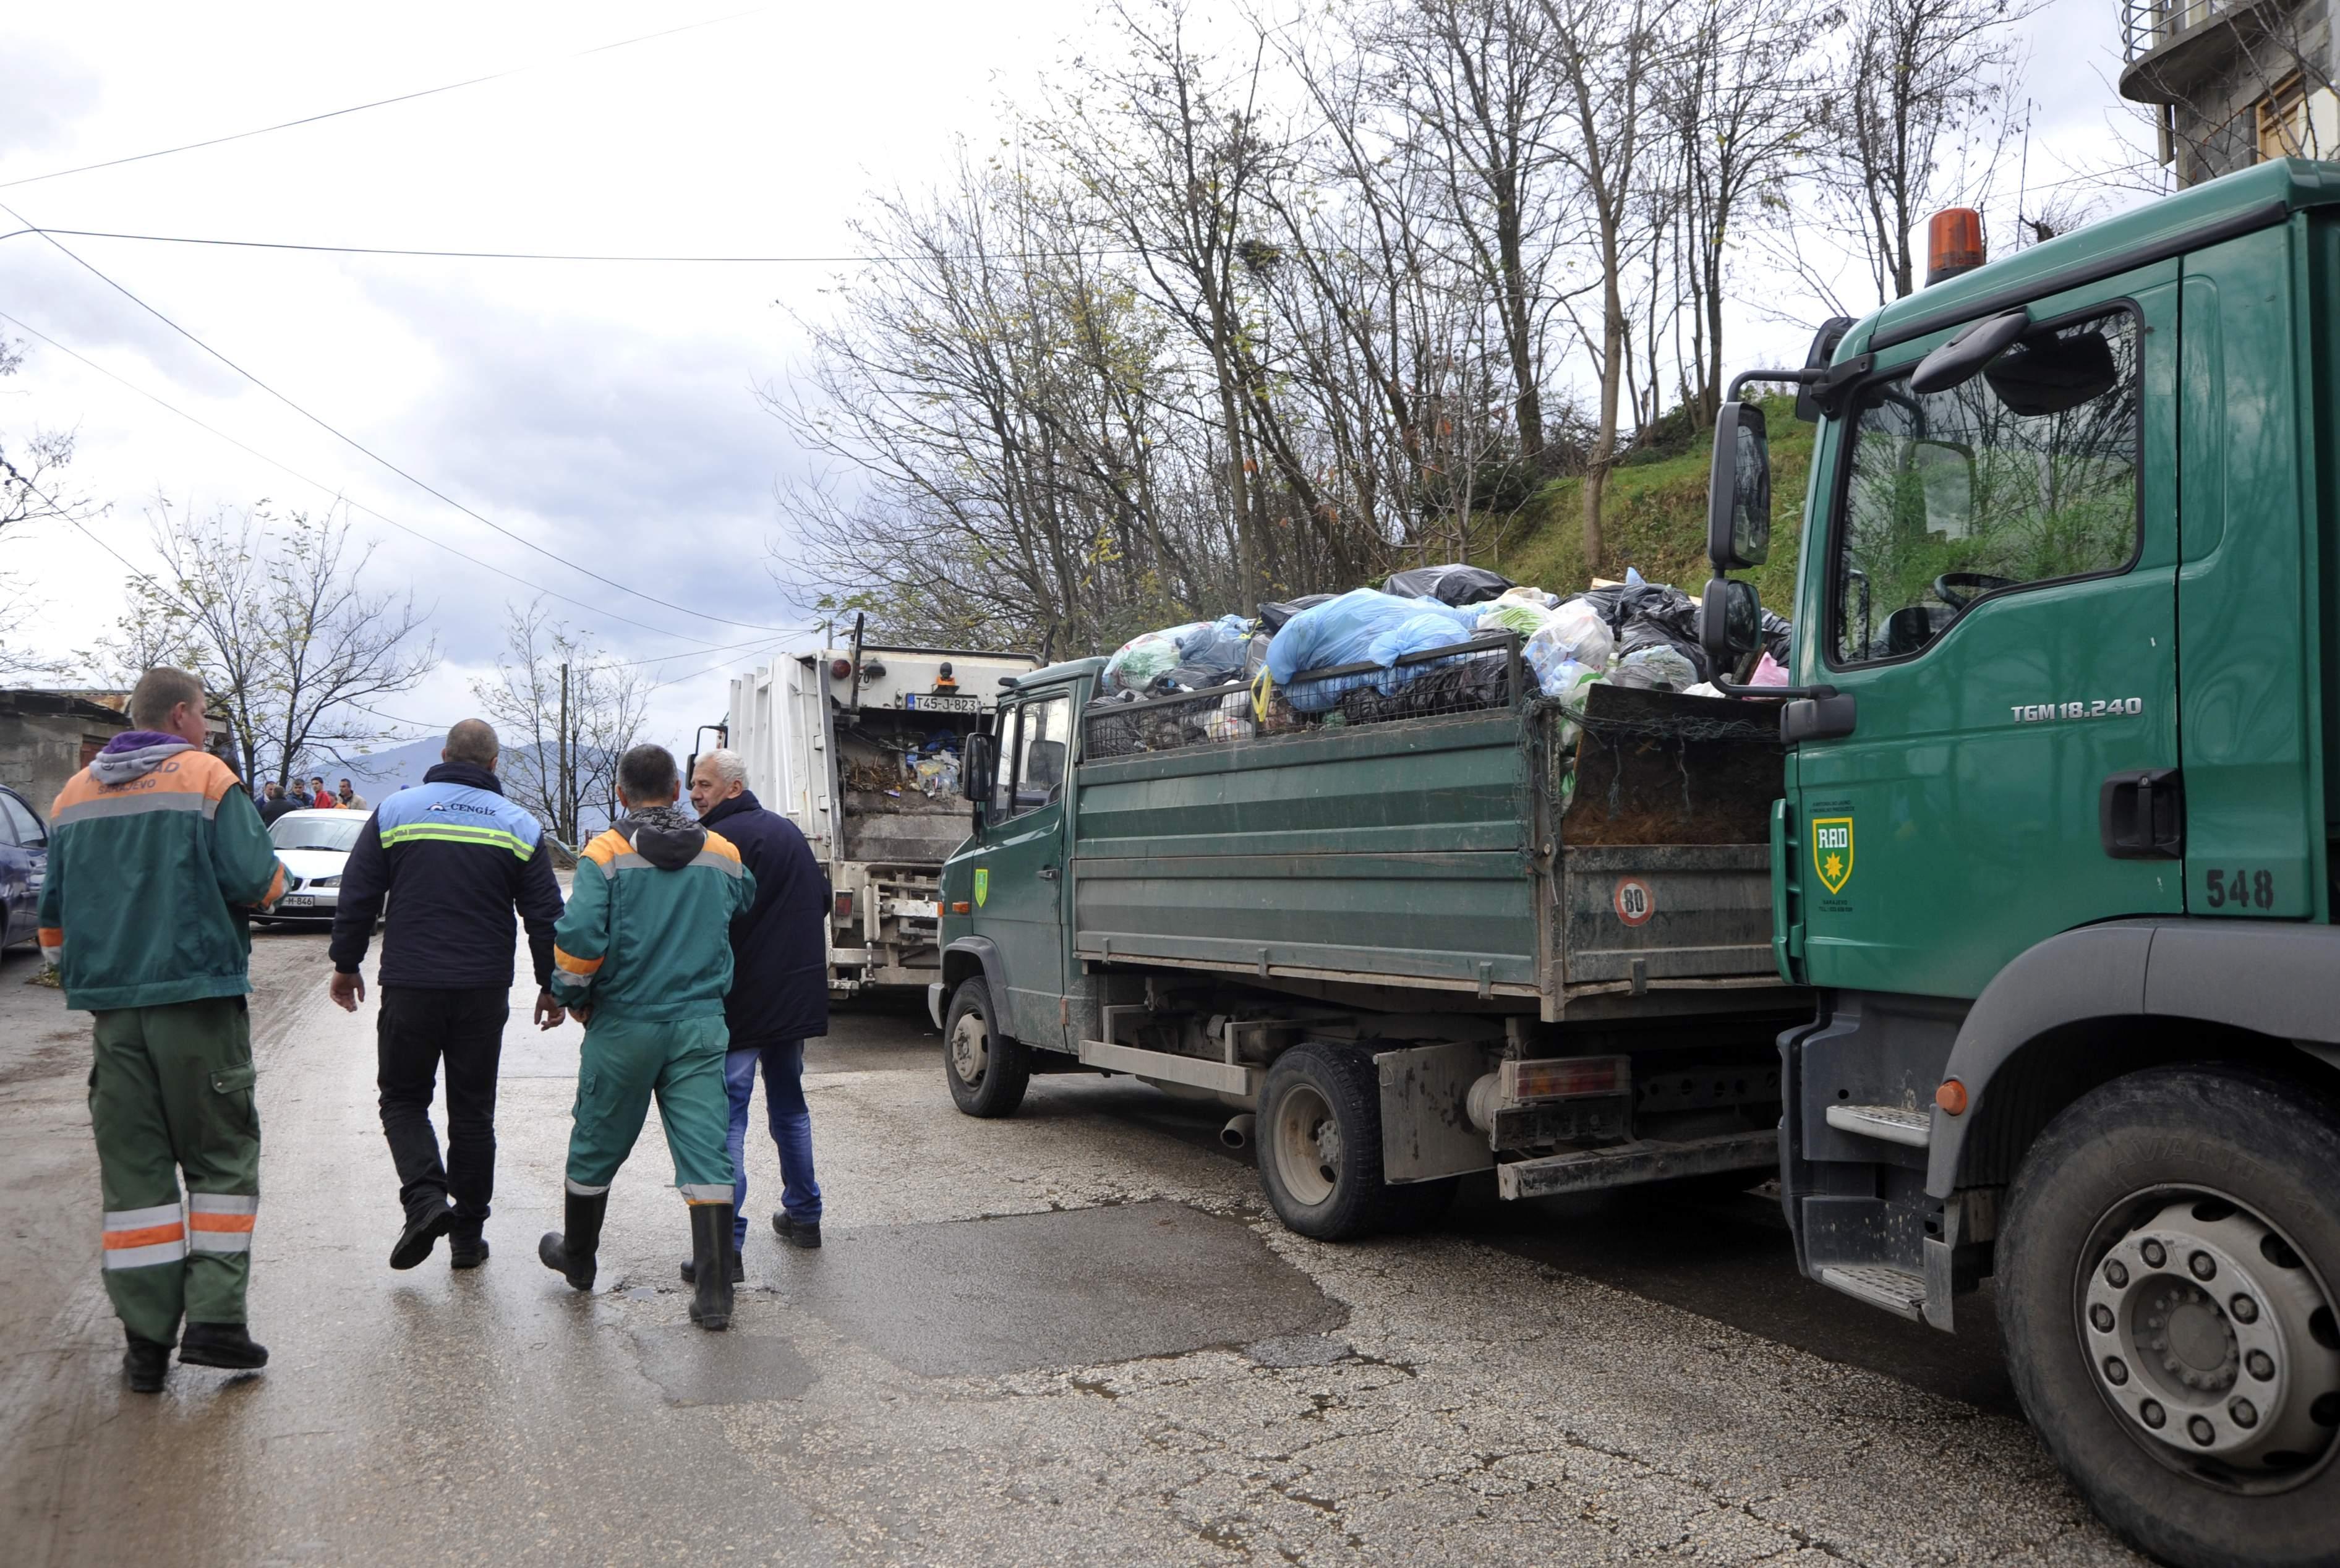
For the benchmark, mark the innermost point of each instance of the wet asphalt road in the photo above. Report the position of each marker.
(1073, 1336)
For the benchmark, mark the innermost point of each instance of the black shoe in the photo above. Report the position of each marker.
(711, 1238)
(424, 1226)
(221, 1344)
(739, 1269)
(568, 1252)
(144, 1363)
(466, 1250)
(803, 1232)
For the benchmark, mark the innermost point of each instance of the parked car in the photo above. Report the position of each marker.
(315, 845)
(24, 864)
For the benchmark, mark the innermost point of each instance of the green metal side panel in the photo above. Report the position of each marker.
(1402, 852)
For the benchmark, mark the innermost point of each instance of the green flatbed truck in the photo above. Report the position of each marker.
(2043, 874)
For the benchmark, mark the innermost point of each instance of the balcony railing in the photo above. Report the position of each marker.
(2146, 24)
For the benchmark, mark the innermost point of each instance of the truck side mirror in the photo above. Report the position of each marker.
(979, 759)
(1960, 360)
(1738, 490)
(1729, 622)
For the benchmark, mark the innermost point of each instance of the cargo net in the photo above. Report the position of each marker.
(1468, 677)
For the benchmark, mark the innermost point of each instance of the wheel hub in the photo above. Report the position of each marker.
(2214, 1341)
(970, 1049)
(1304, 1141)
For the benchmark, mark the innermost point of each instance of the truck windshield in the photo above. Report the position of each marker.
(2026, 473)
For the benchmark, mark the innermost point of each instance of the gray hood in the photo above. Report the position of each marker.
(128, 767)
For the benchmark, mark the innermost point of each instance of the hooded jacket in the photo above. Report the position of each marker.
(648, 931)
(460, 859)
(780, 946)
(155, 856)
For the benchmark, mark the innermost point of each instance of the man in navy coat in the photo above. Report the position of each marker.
(779, 992)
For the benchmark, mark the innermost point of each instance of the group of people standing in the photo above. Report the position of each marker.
(693, 956)
(274, 802)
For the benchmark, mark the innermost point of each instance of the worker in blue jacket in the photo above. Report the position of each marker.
(455, 858)
(779, 992)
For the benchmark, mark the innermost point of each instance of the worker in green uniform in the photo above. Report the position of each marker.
(155, 856)
(642, 958)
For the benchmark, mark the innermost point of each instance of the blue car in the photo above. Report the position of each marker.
(24, 864)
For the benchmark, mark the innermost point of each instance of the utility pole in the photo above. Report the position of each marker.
(568, 797)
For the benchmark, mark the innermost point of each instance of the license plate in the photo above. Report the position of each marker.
(300, 902)
(944, 704)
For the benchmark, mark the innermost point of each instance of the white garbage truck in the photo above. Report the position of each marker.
(859, 747)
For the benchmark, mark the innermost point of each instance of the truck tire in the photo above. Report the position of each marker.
(2167, 1272)
(988, 1072)
(1320, 1148)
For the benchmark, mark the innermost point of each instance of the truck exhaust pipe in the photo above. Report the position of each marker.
(1239, 1131)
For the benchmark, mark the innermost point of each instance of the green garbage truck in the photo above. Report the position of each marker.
(2008, 925)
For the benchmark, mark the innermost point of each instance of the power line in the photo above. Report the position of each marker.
(379, 103)
(557, 255)
(354, 505)
(358, 446)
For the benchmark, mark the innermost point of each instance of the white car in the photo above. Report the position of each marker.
(314, 847)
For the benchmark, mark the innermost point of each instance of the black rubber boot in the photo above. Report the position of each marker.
(227, 1345)
(803, 1232)
(739, 1269)
(711, 1239)
(466, 1249)
(145, 1364)
(569, 1251)
(425, 1224)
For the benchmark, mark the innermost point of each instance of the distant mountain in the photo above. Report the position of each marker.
(383, 773)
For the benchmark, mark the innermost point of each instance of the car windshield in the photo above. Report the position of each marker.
(337, 832)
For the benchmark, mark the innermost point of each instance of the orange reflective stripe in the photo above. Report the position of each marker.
(146, 1236)
(53, 936)
(717, 844)
(606, 847)
(575, 965)
(201, 1221)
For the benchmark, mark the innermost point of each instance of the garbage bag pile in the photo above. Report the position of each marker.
(1633, 633)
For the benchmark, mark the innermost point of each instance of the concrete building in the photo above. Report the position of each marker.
(2235, 82)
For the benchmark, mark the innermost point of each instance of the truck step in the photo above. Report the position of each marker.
(1886, 1124)
(1899, 1291)
(1626, 1164)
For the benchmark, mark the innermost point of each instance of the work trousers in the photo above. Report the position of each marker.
(790, 1120)
(416, 1028)
(171, 1093)
(622, 1064)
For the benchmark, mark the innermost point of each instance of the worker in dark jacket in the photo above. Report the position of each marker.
(779, 996)
(460, 859)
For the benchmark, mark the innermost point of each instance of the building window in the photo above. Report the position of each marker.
(2282, 121)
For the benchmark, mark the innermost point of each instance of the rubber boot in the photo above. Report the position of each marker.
(569, 1251)
(227, 1345)
(710, 1247)
(145, 1364)
(739, 1269)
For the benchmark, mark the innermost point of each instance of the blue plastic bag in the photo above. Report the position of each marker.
(1363, 626)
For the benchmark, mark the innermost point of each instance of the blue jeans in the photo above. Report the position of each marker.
(792, 1123)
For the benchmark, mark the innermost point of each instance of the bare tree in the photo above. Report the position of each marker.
(565, 715)
(31, 472)
(272, 611)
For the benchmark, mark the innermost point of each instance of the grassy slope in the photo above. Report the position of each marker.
(1654, 517)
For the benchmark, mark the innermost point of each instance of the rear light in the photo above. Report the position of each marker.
(840, 670)
(1566, 1079)
(845, 909)
(1953, 244)
(961, 907)
(1952, 1097)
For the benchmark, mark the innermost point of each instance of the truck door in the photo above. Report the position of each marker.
(1995, 587)
(1020, 880)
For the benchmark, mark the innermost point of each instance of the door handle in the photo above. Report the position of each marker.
(1048, 873)
(2141, 814)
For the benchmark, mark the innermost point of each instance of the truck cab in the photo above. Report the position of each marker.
(2054, 842)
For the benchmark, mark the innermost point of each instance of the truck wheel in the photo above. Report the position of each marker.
(1320, 1146)
(2165, 1290)
(988, 1072)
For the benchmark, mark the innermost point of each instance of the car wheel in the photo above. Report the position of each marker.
(988, 1072)
(2166, 1276)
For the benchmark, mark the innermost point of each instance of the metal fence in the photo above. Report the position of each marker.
(2146, 24)
(1486, 672)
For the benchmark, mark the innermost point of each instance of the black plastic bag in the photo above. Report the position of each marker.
(1272, 617)
(1456, 585)
(1778, 638)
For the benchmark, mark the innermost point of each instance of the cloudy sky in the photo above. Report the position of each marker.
(602, 413)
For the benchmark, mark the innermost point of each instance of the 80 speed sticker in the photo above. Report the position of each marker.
(1634, 901)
